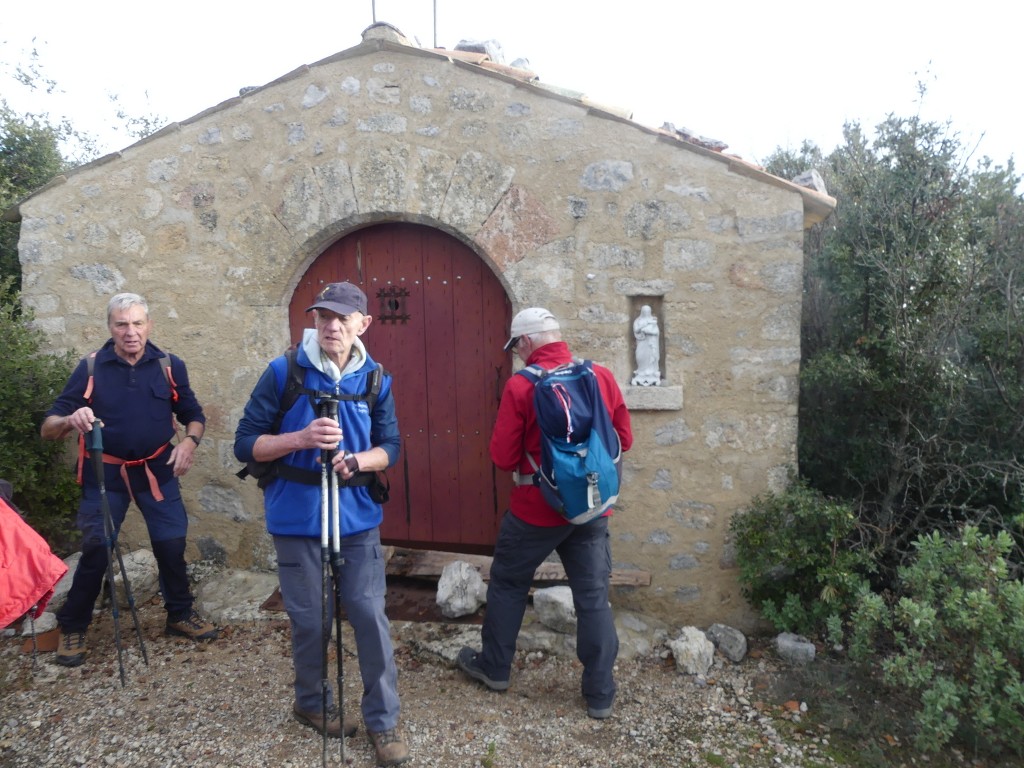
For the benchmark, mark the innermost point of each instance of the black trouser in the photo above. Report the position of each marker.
(76, 613)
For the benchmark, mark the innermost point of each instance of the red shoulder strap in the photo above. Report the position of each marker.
(165, 363)
(90, 367)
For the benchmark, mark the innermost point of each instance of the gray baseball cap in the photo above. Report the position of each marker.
(343, 298)
(530, 320)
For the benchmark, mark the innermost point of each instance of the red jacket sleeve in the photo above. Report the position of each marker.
(515, 427)
(616, 406)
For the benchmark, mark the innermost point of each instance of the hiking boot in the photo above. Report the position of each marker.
(347, 726)
(468, 661)
(391, 748)
(71, 652)
(191, 625)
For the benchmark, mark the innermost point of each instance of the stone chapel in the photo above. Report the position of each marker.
(455, 190)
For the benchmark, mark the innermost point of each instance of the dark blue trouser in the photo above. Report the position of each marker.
(363, 589)
(167, 524)
(587, 557)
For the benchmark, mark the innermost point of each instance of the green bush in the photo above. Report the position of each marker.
(954, 635)
(44, 488)
(798, 561)
(912, 335)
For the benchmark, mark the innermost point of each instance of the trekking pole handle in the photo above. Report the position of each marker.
(94, 438)
(329, 408)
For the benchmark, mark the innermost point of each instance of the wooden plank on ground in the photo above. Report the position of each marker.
(428, 564)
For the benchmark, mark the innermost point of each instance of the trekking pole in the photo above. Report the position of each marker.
(94, 441)
(336, 562)
(326, 476)
(130, 597)
(32, 629)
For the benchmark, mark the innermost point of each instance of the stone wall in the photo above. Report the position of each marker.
(215, 219)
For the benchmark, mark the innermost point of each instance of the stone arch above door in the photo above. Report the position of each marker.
(440, 318)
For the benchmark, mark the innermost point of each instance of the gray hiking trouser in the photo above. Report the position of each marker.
(363, 588)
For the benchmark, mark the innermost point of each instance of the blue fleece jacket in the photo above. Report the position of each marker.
(293, 508)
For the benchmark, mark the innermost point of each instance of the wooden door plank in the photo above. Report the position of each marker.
(446, 358)
(441, 374)
(402, 350)
(475, 487)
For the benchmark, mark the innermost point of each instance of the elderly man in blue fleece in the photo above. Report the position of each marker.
(333, 360)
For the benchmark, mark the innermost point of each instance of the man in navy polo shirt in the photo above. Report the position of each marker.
(136, 398)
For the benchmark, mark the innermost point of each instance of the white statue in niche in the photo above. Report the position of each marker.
(648, 354)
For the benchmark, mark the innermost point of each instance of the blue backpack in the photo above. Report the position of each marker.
(580, 466)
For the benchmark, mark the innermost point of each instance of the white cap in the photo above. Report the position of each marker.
(531, 320)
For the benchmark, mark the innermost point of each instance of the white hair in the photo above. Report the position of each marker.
(125, 301)
(541, 338)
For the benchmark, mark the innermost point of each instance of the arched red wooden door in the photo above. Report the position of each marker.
(440, 319)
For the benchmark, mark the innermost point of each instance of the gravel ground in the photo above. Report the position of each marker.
(228, 703)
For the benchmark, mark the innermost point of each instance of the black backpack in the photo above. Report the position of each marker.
(266, 471)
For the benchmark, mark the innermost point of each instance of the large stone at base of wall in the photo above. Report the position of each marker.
(236, 595)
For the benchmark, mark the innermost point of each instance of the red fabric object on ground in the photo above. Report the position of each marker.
(28, 569)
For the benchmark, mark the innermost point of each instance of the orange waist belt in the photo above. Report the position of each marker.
(154, 488)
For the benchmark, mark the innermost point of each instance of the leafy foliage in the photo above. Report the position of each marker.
(29, 157)
(34, 149)
(912, 384)
(956, 630)
(798, 561)
(913, 342)
(29, 383)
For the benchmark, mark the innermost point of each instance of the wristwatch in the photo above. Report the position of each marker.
(351, 462)
(194, 439)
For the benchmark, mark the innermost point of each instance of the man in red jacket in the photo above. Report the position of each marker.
(531, 530)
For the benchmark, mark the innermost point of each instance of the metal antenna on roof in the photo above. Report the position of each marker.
(435, 23)
(373, 10)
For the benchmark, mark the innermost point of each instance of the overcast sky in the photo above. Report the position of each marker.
(754, 75)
